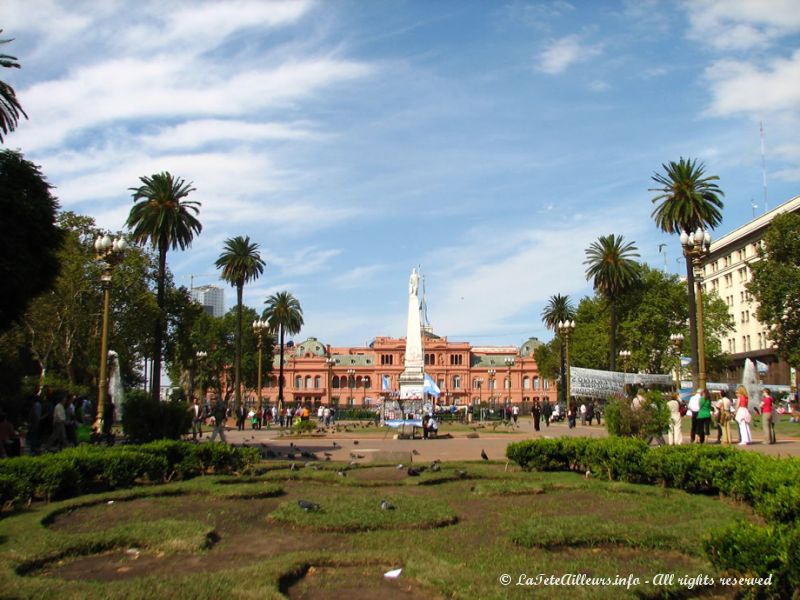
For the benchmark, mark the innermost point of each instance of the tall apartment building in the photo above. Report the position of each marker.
(726, 271)
(211, 297)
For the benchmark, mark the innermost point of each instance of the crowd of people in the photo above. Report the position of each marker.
(719, 413)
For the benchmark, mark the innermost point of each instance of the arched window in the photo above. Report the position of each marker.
(536, 383)
(456, 382)
(298, 382)
(308, 382)
(367, 382)
(526, 383)
(335, 382)
(317, 382)
(545, 384)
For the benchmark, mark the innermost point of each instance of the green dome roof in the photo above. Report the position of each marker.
(529, 346)
(311, 346)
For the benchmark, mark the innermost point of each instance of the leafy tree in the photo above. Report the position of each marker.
(611, 266)
(648, 314)
(559, 308)
(775, 285)
(181, 347)
(165, 219)
(240, 262)
(29, 236)
(10, 108)
(217, 337)
(688, 200)
(284, 315)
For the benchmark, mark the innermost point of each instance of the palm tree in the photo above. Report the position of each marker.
(610, 263)
(240, 262)
(559, 308)
(10, 108)
(166, 220)
(284, 314)
(688, 200)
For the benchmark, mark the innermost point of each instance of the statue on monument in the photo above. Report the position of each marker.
(413, 283)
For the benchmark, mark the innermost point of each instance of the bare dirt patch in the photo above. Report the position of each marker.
(379, 474)
(356, 583)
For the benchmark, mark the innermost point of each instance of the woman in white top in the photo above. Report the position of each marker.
(743, 416)
(675, 435)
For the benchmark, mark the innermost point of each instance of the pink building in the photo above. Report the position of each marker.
(316, 373)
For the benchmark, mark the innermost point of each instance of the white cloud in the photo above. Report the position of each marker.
(744, 87)
(564, 52)
(200, 132)
(357, 277)
(742, 24)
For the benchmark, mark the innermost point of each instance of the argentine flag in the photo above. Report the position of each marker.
(430, 387)
(386, 383)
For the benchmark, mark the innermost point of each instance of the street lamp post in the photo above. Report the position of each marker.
(696, 246)
(625, 355)
(492, 393)
(509, 363)
(330, 361)
(108, 253)
(259, 327)
(677, 342)
(351, 384)
(198, 356)
(566, 329)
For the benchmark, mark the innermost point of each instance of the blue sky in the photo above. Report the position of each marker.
(488, 142)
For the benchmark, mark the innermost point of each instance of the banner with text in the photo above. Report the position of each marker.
(594, 383)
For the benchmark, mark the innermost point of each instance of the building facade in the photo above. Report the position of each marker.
(212, 299)
(496, 376)
(726, 271)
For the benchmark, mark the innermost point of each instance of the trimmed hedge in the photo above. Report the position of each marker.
(770, 485)
(87, 469)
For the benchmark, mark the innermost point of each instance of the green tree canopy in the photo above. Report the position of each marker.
(284, 314)
(775, 285)
(29, 235)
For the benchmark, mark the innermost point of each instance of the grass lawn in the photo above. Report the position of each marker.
(453, 532)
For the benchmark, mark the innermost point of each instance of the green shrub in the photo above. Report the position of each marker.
(13, 492)
(651, 419)
(747, 550)
(696, 469)
(539, 455)
(302, 427)
(145, 419)
(58, 478)
(618, 459)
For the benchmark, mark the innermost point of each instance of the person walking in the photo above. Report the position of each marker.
(724, 419)
(58, 439)
(536, 412)
(583, 413)
(768, 414)
(703, 416)
(589, 413)
(515, 415)
(675, 434)
(220, 412)
(743, 416)
(694, 408)
(197, 418)
(547, 411)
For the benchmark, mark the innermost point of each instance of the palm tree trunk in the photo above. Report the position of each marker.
(563, 389)
(158, 334)
(692, 318)
(280, 374)
(612, 338)
(238, 358)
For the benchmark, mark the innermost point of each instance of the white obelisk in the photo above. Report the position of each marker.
(412, 380)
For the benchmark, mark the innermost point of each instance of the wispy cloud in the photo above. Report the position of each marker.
(558, 56)
(736, 25)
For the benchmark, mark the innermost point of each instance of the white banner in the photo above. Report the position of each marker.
(595, 383)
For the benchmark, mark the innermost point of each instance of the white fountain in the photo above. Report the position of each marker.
(115, 384)
(751, 383)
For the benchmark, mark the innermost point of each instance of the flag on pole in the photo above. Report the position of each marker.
(386, 383)
(430, 387)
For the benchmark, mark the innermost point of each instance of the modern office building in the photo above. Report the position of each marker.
(211, 297)
(491, 377)
(726, 271)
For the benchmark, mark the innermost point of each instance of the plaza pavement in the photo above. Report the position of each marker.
(362, 444)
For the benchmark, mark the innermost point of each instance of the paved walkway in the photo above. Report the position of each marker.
(359, 445)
